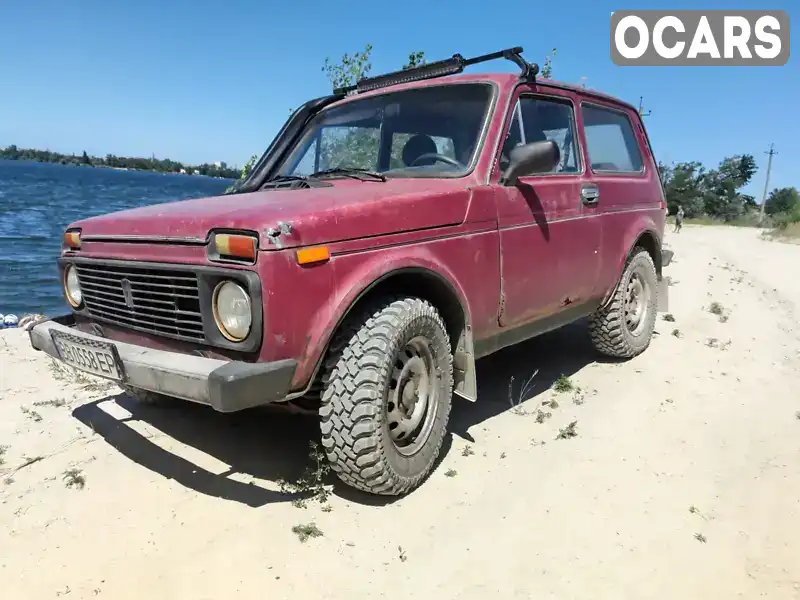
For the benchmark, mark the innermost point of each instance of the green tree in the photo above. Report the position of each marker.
(415, 59)
(684, 185)
(357, 147)
(85, 159)
(547, 67)
(782, 201)
(350, 69)
(722, 185)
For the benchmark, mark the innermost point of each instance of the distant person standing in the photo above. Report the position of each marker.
(678, 219)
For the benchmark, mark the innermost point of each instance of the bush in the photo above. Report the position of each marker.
(782, 221)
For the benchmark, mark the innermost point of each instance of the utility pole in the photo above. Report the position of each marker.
(771, 153)
(641, 109)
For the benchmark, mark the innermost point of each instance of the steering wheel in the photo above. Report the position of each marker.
(436, 156)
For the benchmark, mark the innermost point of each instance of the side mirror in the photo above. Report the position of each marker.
(536, 157)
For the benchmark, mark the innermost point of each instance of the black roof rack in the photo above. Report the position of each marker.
(442, 68)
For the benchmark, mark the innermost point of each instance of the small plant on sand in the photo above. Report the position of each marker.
(712, 342)
(715, 308)
(797, 414)
(677, 333)
(467, 451)
(401, 554)
(74, 478)
(31, 414)
(563, 384)
(55, 403)
(306, 531)
(450, 473)
(57, 370)
(311, 485)
(4, 449)
(694, 510)
(516, 403)
(65, 373)
(542, 416)
(567, 432)
(700, 538)
(669, 318)
(579, 396)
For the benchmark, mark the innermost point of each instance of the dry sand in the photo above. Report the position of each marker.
(683, 480)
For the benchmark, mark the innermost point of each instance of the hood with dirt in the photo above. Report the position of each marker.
(348, 209)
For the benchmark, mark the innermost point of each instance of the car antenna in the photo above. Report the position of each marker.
(449, 66)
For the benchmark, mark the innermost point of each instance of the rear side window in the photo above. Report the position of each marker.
(610, 141)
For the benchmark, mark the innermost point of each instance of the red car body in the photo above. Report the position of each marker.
(500, 260)
(520, 260)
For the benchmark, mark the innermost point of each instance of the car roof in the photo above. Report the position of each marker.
(500, 79)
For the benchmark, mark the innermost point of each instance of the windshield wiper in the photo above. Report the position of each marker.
(361, 174)
(280, 178)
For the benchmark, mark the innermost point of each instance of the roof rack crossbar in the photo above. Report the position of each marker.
(449, 66)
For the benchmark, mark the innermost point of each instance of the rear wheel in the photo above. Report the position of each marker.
(387, 396)
(624, 328)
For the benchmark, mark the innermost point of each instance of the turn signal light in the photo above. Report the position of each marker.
(237, 246)
(315, 254)
(72, 239)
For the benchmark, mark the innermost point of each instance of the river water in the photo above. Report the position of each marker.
(37, 201)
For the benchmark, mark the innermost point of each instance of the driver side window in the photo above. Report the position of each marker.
(537, 119)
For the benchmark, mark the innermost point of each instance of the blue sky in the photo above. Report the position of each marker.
(202, 81)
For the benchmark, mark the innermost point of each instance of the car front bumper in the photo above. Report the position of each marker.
(226, 386)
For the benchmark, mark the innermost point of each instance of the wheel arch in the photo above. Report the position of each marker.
(648, 239)
(430, 285)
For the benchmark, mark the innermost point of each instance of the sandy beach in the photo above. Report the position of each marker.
(679, 479)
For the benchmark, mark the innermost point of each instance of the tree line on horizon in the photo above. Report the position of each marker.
(158, 165)
(716, 193)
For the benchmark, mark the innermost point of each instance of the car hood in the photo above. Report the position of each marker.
(347, 209)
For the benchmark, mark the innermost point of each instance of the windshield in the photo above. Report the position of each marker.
(424, 132)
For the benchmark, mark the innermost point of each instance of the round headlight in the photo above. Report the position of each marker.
(72, 288)
(232, 311)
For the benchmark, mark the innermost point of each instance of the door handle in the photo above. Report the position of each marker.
(590, 194)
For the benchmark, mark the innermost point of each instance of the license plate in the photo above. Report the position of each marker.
(93, 356)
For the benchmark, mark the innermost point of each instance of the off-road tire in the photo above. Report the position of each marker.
(357, 382)
(146, 396)
(607, 327)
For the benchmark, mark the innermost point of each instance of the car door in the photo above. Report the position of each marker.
(614, 142)
(549, 236)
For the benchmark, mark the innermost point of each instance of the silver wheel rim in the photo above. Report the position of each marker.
(412, 401)
(637, 303)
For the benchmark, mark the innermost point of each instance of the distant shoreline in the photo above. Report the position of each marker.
(218, 170)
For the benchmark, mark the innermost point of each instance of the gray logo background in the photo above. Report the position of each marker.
(690, 19)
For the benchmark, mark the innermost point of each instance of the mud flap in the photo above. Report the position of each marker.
(663, 295)
(663, 282)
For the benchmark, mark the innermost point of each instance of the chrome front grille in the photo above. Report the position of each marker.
(159, 301)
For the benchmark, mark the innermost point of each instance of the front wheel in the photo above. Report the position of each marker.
(624, 328)
(387, 396)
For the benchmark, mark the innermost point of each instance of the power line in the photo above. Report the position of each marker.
(771, 152)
